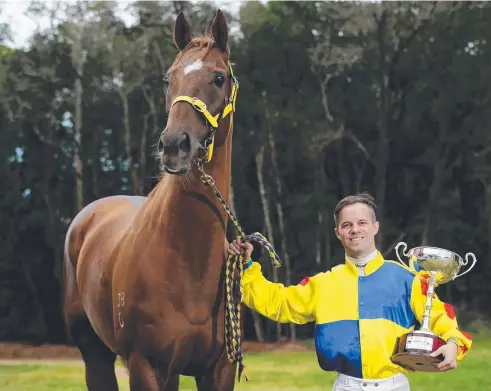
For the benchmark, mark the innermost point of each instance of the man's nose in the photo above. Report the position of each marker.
(355, 228)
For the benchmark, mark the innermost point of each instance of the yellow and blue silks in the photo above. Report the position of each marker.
(358, 318)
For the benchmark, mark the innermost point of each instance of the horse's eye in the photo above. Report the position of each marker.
(219, 79)
(166, 79)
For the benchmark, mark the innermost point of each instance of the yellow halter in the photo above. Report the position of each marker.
(213, 121)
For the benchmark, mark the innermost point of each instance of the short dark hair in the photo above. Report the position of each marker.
(364, 198)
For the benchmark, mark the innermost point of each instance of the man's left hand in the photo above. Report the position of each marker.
(449, 352)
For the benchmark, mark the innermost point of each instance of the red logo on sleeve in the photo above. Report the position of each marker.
(305, 281)
(449, 310)
(424, 287)
(467, 335)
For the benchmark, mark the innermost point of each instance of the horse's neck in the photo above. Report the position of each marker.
(189, 216)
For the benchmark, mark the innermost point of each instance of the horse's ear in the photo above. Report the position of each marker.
(182, 31)
(219, 30)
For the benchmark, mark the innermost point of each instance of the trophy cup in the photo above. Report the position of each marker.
(413, 349)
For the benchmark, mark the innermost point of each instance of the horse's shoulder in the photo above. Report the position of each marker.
(118, 206)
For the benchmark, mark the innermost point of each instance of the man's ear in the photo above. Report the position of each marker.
(377, 227)
(337, 233)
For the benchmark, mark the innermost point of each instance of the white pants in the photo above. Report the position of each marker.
(349, 383)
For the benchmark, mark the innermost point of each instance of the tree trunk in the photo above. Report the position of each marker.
(132, 170)
(42, 324)
(79, 58)
(281, 221)
(144, 138)
(327, 251)
(436, 185)
(267, 218)
(344, 175)
(435, 191)
(10, 232)
(323, 240)
(386, 66)
(488, 212)
(77, 159)
(318, 242)
(488, 215)
(382, 140)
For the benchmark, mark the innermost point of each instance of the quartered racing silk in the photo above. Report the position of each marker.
(358, 317)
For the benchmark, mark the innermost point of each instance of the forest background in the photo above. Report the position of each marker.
(335, 98)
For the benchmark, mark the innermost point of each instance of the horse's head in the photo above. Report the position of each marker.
(201, 91)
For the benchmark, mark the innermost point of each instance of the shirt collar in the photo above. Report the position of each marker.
(374, 262)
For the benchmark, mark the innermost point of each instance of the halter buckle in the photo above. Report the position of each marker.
(198, 105)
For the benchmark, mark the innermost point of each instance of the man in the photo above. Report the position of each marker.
(360, 307)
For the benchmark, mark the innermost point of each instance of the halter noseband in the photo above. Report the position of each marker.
(213, 121)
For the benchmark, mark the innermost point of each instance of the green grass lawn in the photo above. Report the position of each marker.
(267, 371)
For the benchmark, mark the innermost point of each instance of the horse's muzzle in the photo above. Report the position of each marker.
(175, 151)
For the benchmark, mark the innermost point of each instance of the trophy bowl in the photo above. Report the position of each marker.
(443, 264)
(412, 350)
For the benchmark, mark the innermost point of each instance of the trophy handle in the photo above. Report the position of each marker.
(406, 254)
(467, 256)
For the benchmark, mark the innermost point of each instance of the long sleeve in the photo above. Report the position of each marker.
(443, 321)
(295, 303)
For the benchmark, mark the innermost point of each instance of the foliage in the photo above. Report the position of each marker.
(391, 98)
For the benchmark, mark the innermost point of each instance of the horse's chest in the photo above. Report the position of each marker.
(169, 319)
(183, 341)
(197, 315)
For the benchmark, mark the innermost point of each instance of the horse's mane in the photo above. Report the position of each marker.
(199, 42)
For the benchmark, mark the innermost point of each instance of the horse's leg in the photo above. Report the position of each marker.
(168, 383)
(219, 378)
(98, 358)
(142, 374)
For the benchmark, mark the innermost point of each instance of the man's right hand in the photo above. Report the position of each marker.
(236, 246)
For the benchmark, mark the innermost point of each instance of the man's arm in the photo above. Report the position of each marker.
(443, 322)
(282, 304)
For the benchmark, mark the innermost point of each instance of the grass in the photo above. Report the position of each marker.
(267, 371)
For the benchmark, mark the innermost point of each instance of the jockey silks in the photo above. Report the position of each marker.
(358, 317)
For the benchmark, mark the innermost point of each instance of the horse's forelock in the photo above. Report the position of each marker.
(202, 41)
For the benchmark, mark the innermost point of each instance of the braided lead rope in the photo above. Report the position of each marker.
(233, 285)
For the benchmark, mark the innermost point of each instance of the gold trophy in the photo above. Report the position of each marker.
(413, 349)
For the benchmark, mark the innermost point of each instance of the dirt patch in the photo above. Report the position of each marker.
(26, 351)
(9, 351)
(280, 347)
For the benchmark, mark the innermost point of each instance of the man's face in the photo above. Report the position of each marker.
(356, 230)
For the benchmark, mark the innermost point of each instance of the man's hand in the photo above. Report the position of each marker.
(449, 352)
(235, 248)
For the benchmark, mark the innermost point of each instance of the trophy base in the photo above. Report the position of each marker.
(413, 350)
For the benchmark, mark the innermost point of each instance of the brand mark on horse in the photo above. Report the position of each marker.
(120, 304)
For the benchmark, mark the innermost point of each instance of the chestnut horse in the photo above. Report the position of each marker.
(144, 276)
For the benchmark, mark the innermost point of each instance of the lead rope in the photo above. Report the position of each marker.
(233, 285)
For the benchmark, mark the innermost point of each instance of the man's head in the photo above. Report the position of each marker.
(356, 224)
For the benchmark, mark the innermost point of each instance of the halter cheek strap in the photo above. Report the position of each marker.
(213, 121)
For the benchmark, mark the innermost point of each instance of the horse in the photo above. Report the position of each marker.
(144, 276)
